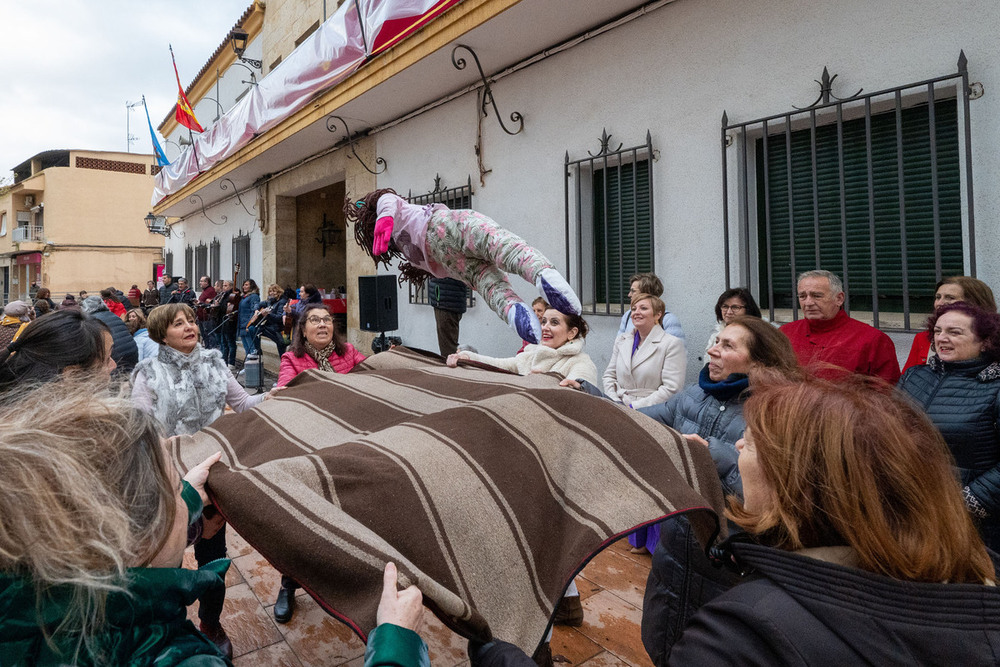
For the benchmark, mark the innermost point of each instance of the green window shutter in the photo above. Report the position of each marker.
(917, 191)
(622, 228)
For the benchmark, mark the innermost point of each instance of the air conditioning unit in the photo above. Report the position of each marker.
(29, 200)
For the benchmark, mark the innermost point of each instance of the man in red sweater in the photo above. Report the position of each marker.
(826, 334)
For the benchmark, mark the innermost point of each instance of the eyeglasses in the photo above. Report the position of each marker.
(319, 320)
(734, 309)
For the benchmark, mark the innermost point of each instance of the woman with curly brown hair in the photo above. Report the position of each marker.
(460, 244)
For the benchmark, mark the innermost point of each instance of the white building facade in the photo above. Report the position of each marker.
(655, 79)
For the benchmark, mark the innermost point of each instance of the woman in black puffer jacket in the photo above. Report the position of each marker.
(960, 392)
(709, 412)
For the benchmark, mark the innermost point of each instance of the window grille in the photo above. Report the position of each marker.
(241, 256)
(609, 213)
(215, 260)
(168, 263)
(875, 183)
(200, 262)
(453, 198)
(189, 265)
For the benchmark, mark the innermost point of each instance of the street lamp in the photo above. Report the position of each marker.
(239, 38)
(156, 224)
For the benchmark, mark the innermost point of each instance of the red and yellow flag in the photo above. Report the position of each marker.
(184, 113)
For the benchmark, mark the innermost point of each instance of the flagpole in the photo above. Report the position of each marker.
(194, 151)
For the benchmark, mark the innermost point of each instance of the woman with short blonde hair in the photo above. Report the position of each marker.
(647, 366)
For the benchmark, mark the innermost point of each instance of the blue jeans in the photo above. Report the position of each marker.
(248, 342)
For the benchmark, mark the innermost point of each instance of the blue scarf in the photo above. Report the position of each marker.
(723, 390)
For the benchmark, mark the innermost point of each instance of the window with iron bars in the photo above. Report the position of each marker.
(215, 259)
(241, 256)
(453, 198)
(168, 264)
(609, 215)
(869, 187)
(200, 262)
(189, 265)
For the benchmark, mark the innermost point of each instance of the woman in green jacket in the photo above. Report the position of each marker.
(94, 520)
(93, 524)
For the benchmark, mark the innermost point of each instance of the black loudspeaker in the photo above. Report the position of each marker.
(377, 303)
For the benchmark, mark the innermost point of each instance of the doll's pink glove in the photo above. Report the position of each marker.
(383, 232)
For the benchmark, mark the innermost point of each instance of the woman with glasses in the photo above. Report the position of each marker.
(731, 304)
(315, 344)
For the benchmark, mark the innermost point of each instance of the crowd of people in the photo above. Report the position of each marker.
(863, 505)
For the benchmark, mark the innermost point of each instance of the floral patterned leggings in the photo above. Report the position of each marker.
(477, 251)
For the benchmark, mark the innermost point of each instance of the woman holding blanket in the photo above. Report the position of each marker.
(561, 351)
(315, 344)
(186, 388)
(710, 413)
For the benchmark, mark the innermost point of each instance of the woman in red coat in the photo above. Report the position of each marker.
(316, 344)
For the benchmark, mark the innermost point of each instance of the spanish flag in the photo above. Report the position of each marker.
(184, 113)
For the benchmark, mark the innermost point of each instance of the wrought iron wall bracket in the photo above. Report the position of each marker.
(222, 185)
(331, 126)
(459, 63)
(196, 199)
(826, 91)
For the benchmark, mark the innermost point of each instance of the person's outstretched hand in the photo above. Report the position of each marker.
(383, 232)
(453, 359)
(695, 438)
(403, 608)
(198, 475)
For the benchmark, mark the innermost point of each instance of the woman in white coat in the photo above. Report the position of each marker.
(561, 351)
(647, 366)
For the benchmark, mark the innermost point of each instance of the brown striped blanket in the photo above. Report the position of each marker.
(490, 491)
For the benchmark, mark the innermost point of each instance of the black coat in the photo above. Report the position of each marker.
(187, 296)
(447, 294)
(165, 291)
(797, 610)
(124, 350)
(963, 400)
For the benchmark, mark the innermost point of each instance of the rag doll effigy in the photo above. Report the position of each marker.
(435, 240)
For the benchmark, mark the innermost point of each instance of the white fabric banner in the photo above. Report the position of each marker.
(326, 58)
